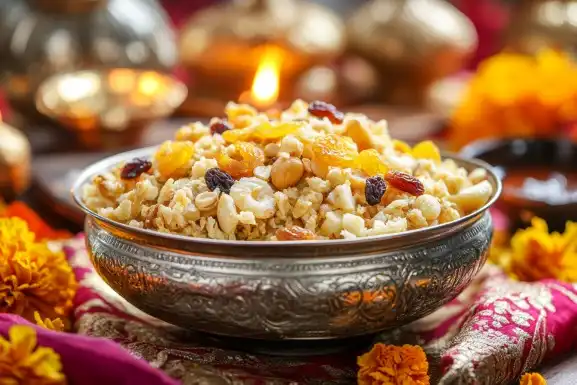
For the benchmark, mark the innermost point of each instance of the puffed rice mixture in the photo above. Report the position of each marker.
(296, 174)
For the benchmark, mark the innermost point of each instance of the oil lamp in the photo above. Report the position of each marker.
(258, 50)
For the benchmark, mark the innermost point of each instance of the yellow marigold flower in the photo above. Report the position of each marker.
(532, 379)
(393, 365)
(23, 363)
(536, 254)
(515, 95)
(55, 324)
(32, 277)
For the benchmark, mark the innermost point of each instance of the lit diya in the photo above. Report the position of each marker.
(109, 108)
(539, 177)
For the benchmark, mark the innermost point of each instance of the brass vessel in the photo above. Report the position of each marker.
(15, 156)
(41, 38)
(537, 24)
(410, 44)
(222, 46)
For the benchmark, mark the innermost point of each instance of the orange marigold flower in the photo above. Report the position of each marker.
(532, 379)
(536, 254)
(35, 223)
(32, 276)
(514, 95)
(55, 324)
(393, 365)
(23, 363)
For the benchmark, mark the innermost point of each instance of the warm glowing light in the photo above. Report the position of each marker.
(265, 87)
(149, 84)
(122, 80)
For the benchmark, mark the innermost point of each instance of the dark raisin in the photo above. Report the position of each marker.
(134, 168)
(216, 178)
(405, 182)
(375, 189)
(326, 110)
(219, 127)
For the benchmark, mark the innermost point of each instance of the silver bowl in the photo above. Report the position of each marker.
(287, 290)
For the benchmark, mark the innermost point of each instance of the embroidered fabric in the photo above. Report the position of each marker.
(492, 333)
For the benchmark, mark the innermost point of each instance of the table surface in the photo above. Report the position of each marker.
(52, 179)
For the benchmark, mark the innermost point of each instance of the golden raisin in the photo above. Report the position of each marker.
(371, 163)
(427, 150)
(335, 150)
(237, 135)
(294, 233)
(173, 159)
(248, 156)
(360, 134)
(401, 146)
(405, 182)
(277, 130)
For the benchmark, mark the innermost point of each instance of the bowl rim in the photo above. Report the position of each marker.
(109, 162)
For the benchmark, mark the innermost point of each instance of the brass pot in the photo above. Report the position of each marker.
(410, 44)
(222, 46)
(40, 38)
(537, 24)
(15, 156)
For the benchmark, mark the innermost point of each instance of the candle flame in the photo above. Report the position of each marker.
(266, 83)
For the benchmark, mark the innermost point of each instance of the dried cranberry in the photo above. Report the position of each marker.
(216, 178)
(135, 168)
(326, 110)
(219, 127)
(375, 189)
(405, 182)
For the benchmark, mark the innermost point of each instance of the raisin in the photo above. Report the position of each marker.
(405, 182)
(326, 110)
(294, 233)
(216, 178)
(135, 168)
(219, 127)
(374, 190)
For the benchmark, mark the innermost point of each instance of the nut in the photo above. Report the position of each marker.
(286, 172)
(206, 200)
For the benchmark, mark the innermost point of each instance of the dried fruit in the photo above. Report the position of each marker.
(405, 182)
(294, 233)
(277, 130)
(335, 150)
(427, 150)
(375, 188)
(237, 135)
(173, 159)
(401, 146)
(360, 134)
(216, 178)
(135, 168)
(247, 157)
(219, 127)
(326, 110)
(371, 163)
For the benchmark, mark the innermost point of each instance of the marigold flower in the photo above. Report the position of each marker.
(23, 363)
(35, 223)
(532, 379)
(514, 95)
(393, 365)
(32, 277)
(55, 324)
(536, 254)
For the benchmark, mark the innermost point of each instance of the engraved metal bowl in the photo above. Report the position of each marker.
(287, 290)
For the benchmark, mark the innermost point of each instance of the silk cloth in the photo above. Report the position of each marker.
(494, 331)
